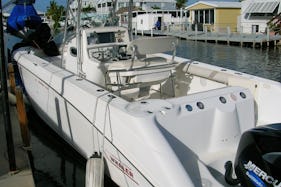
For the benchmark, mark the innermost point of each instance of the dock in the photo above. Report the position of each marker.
(15, 169)
(255, 40)
(23, 175)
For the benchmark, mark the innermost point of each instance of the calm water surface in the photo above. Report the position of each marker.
(260, 62)
(57, 165)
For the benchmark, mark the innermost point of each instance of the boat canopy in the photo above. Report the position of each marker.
(23, 15)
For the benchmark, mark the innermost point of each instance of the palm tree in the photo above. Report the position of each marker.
(180, 3)
(52, 8)
(55, 12)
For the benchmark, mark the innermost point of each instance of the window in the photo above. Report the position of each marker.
(255, 28)
(212, 16)
(201, 16)
(107, 37)
(196, 16)
(207, 16)
(73, 51)
(204, 16)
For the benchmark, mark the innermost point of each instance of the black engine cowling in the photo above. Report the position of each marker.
(258, 159)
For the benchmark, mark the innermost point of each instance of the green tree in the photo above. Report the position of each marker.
(180, 3)
(155, 7)
(89, 9)
(55, 12)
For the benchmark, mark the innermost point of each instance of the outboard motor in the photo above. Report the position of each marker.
(23, 15)
(258, 159)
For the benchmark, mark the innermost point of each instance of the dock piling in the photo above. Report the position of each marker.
(11, 74)
(23, 121)
(196, 31)
(228, 35)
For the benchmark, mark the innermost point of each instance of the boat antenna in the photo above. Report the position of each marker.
(68, 17)
(130, 19)
(80, 73)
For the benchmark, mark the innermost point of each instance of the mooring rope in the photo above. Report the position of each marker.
(111, 97)
(107, 112)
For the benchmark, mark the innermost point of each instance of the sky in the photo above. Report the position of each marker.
(189, 2)
(41, 5)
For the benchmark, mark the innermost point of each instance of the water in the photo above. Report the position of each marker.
(56, 164)
(264, 62)
(53, 161)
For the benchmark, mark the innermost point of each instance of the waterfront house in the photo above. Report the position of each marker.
(84, 4)
(145, 13)
(215, 15)
(104, 6)
(256, 13)
(146, 20)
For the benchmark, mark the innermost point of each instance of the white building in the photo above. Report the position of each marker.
(85, 4)
(256, 13)
(104, 6)
(145, 20)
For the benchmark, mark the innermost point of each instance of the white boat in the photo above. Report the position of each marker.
(157, 119)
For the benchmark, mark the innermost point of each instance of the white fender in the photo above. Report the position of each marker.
(94, 171)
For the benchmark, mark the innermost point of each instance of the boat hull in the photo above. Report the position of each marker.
(180, 141)
(82, 116)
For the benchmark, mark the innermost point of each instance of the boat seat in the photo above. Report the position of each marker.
(137, 64)
(219, 75)
(142, 70)
(141, 48)
(124, 76)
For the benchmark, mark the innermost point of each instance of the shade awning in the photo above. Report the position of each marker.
(262, 7)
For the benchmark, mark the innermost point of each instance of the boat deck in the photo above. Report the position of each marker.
(55, 60)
